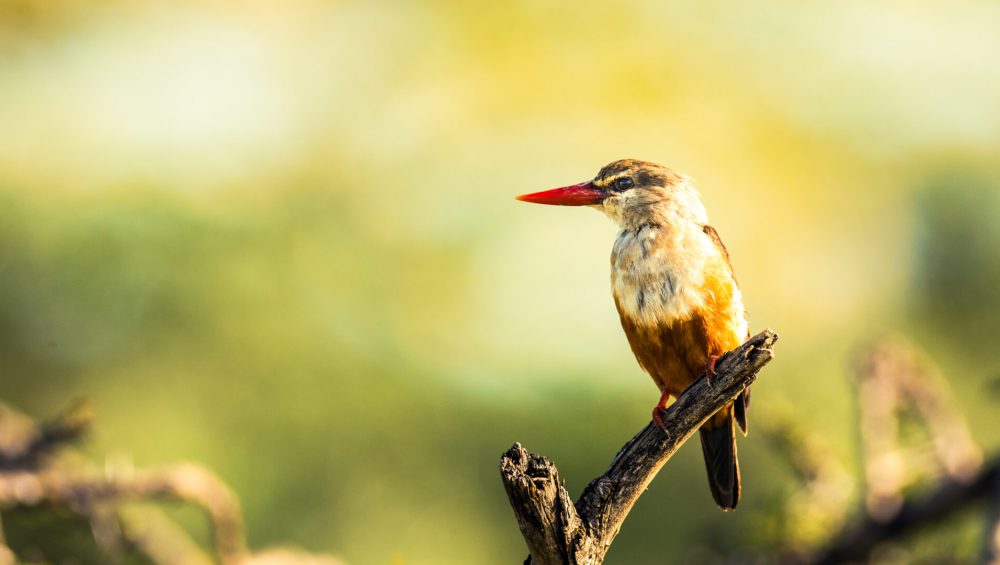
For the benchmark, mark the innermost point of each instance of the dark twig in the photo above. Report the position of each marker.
(559, 532)
(67, 427)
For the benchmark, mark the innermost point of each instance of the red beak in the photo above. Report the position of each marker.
(583, 194)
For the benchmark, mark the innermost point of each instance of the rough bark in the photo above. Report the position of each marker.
(559, 532)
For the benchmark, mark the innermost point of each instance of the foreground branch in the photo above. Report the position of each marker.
(559, 532)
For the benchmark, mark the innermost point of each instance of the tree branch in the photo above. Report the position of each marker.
(558, 532)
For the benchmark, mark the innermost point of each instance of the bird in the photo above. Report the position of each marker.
(676, 295)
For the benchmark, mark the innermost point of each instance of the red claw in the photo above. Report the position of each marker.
(710, 369)
(660, 408)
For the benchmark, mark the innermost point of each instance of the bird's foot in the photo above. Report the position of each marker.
(710, 369)
(660, 409)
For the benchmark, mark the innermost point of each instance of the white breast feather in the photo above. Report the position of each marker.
(656, 283)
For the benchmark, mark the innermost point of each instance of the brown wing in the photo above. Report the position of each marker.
(714, 236)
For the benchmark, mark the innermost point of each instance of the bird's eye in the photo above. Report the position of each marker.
(623, 183)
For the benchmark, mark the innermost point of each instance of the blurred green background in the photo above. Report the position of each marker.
(279, 238)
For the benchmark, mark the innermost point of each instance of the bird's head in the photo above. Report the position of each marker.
(631, 192)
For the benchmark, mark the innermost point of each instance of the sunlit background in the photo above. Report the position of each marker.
(279, 238)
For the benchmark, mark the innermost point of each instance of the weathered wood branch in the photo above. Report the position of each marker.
(858, 540)
(559, 532)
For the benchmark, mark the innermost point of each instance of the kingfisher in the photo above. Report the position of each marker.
(674, 288)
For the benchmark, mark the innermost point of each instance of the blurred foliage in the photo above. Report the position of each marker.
(280, 240)
(73, 544)
(958, 269)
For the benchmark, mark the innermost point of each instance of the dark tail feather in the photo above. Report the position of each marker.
(718, 445)
(740, 407)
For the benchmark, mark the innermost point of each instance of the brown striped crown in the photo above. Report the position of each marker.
(642, 174)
